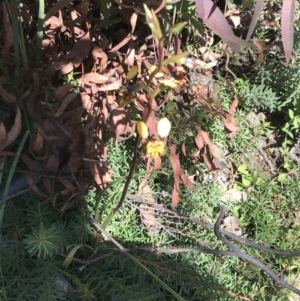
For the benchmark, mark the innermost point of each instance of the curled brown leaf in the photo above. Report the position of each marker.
(14, 131)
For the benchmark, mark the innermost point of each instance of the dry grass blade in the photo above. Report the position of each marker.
(8, 39)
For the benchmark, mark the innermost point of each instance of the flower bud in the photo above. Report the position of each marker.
(142, 129)
(163, 127)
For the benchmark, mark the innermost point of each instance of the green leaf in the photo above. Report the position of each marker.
(291, 114)
(132, 72)
(153, 22)
(288, 165)
(235, 210)
(169, 7)
(148, 15)
(243, 168)
(70, 256)
(282, 178)
(177, 27)
(175, 58)
(259, 181)
(247, 180)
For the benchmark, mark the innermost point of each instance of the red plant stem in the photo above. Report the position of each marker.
(133, 165)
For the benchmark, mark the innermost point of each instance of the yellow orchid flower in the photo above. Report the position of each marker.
(154, 149)
(179, 75)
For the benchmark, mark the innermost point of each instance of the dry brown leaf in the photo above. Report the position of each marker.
(219, 164)
(32, 186)
(70, 97)
(129, 60)
(157, 163)
(101, 175)
(57, 66)
(229, 123)
(86, 102)
(207, 160)
(52, 164)
(119, 121)
(94, 77)
(102, 56)
(6, 153)
(233, 106)
(232, 224)
(175, 196)
(262, 49)
(112, 86)
(2, 133)
(37, 142)
(53, 200)
(235, 196)
(14, 131)
(52, 23)
(49, 186)
(199, 141)
(203, 138)
(7, 96)
(186, 181)
(32, 165)
(69, 204)
(69, 185)
(25, 94)
(80, 50)
(147, 212)
(152, 125)
(67, 68)
(215, 151)
(183, 148)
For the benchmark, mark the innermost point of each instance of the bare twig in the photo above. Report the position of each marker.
(239, 253)
(144, 250)
(202, 223)
(100, 229)
(226, 50)
(266, 158)
(232, 294)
